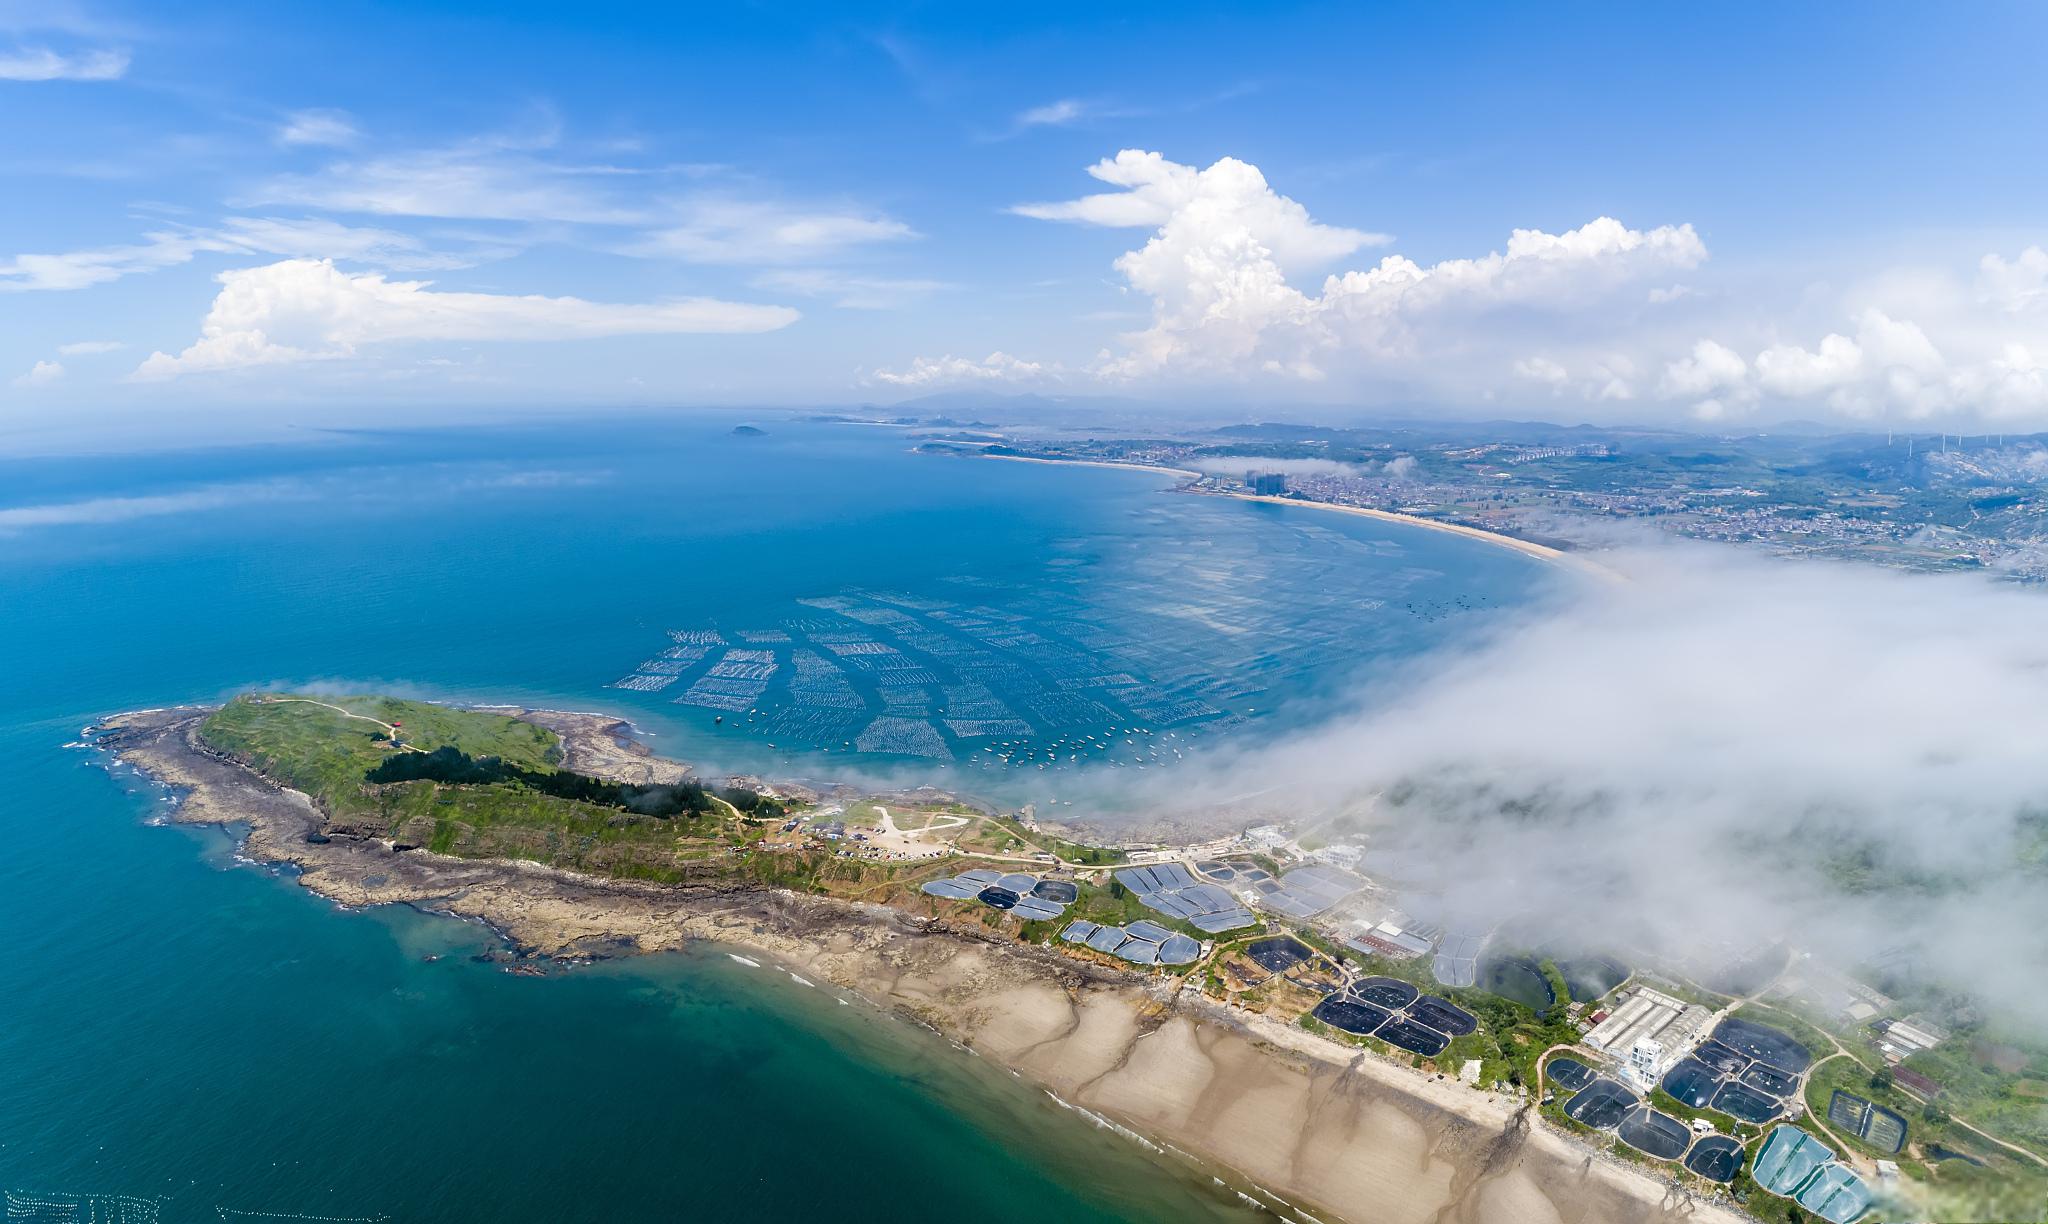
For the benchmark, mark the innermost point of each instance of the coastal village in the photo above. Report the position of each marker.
(1773, 1084)
(1797, 1089)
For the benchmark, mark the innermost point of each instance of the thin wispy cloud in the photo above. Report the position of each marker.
(367, 485)
(1054, 114)
(43, 64)
(475, 181)
(312, 238)
(851, 291)
(736, 231)
(318, 126)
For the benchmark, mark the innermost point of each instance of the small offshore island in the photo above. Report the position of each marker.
(1109, 975)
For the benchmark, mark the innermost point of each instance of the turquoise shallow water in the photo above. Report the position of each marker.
(178, 1027)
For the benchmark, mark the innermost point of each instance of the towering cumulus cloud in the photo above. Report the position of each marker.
(1220, 270)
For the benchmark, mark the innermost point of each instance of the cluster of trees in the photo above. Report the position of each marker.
(454, 767)
(754, 804)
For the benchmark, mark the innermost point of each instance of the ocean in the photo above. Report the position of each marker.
(187, 1037)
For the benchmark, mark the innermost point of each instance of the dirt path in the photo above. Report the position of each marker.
(1842, 1051)
(389, 729)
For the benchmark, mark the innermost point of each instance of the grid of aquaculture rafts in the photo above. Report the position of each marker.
(664, 669)
(1421, 1024)
(734, 682)
(1119, 663)
(1141, 943)
(902, 676)
(1022, 895)
(1170, 889)
(1745, 1070)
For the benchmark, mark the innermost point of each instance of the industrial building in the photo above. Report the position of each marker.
(1648, 1032)
(1899, 1039)
(1387, 939)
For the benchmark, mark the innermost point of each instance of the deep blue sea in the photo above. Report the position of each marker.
(205, 1038)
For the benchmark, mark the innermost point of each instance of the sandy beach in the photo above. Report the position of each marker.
(1528, 548)
(1335, 1133)
(1183, 473)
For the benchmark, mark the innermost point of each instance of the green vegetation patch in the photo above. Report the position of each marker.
(473, 784)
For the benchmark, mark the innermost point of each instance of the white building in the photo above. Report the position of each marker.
(1648, 1032)
(1646, 1062)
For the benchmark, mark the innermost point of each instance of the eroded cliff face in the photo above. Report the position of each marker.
(1336, 1133)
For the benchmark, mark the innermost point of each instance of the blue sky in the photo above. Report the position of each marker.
(1732, 214)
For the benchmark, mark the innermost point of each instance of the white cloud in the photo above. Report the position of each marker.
(1542, 370)
(88, 348)
(43, 64)
(318, 126)
(303, 310)
(942, 371)
(2015, 285)
(1537, 268)
(1787, 369)
(1709, 369)
(1842, 757)
(1230, 198)
(320, 238)
(493, 180)
(848, 291)
(1218, 273)
(1053, 114)
(1888, 363)
(310, 238)
(80, 269)
(756, 232)
(42, 374)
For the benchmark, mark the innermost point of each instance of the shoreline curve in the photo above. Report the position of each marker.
(1528, 548)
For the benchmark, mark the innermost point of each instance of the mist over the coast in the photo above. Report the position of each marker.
(1721, 751)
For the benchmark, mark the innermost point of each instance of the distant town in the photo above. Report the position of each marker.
(1910, 500)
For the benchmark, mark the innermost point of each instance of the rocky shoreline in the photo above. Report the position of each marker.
(1337, 1134)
